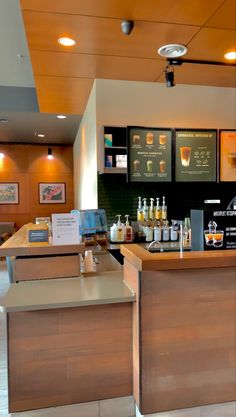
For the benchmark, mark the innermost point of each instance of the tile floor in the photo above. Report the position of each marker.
(119, 407)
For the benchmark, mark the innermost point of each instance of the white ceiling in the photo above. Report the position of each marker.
(16, 79)
(14, 71)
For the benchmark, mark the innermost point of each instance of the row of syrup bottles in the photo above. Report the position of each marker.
(151, 212)
(121, 232)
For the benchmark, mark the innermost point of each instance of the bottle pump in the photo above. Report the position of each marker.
(145, 209)
(128, 230)
(158, 209)
(120, 230)
(164, 209)
(140, 214)
(151, 210)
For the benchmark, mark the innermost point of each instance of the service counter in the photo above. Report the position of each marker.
(162, 328)
(39, 261)
(184, 327)
(69, 340)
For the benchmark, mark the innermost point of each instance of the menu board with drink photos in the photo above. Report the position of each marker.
(195, 155)
(228, 155)
(149, 154)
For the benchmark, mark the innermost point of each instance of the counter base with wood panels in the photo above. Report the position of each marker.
(69, 355)
(184, 328)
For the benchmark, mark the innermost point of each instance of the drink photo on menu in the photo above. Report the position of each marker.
(228, 155)
(195, 155)
(149, 152)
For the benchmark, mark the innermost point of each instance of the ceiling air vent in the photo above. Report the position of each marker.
(172, 51)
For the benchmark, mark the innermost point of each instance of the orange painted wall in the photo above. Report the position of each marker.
(28, 165)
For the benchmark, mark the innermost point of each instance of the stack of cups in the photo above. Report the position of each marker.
(88, 261)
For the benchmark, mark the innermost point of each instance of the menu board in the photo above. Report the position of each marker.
(195, 155)
(228, 155)
(149, 154)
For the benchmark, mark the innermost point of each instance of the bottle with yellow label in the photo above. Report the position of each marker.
(164, 209)
(151, 210)
(140, 212)
(158, 210)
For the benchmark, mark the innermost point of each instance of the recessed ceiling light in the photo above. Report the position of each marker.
(230, 55)
(173, 50)
(40, 135)
(61, 116)
(1, 155)
(66, 41)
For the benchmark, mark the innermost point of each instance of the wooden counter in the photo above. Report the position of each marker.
(106, 288)
(184, 327)
(40, 261)
(143, 260)
(69, 340)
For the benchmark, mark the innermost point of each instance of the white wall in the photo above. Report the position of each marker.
(85, 158)
(152, 104)
(121, 103)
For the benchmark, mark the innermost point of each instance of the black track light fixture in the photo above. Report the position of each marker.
(170, 76)
(50, 156)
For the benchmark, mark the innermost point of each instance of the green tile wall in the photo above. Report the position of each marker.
(117, 196)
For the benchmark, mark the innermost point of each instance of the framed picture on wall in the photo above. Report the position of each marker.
(52, 193)
(227, 155)
(9, 193)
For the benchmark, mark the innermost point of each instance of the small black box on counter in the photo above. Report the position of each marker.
(213, 229)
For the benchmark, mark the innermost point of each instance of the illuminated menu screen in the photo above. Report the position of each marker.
(195, 155)
(149, 154)
(228, 155)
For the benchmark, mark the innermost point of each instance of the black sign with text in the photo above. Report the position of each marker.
(213, 229)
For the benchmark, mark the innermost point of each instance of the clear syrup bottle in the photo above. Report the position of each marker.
(164, 209)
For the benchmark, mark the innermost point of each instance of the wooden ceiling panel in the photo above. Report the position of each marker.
(63, 95)
(190, 12)
(64, 76)
(211, 75)
(211, 44)
(95, 66)
(102, 36)
(225, 17)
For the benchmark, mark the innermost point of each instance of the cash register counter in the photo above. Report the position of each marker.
(184, 327)
(162, 328)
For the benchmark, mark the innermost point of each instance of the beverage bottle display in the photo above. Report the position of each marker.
(157, 233)
(186, 230)
(164, 209)
(113, 232)
(140, 213)
(128, 230)
(158, 209)
(173, 232)
(151, 210)
(149, 233)
(145, 209)
(166, 232)
(120, 232)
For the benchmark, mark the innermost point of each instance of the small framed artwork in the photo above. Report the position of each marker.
(52, 193)
(9, 193)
